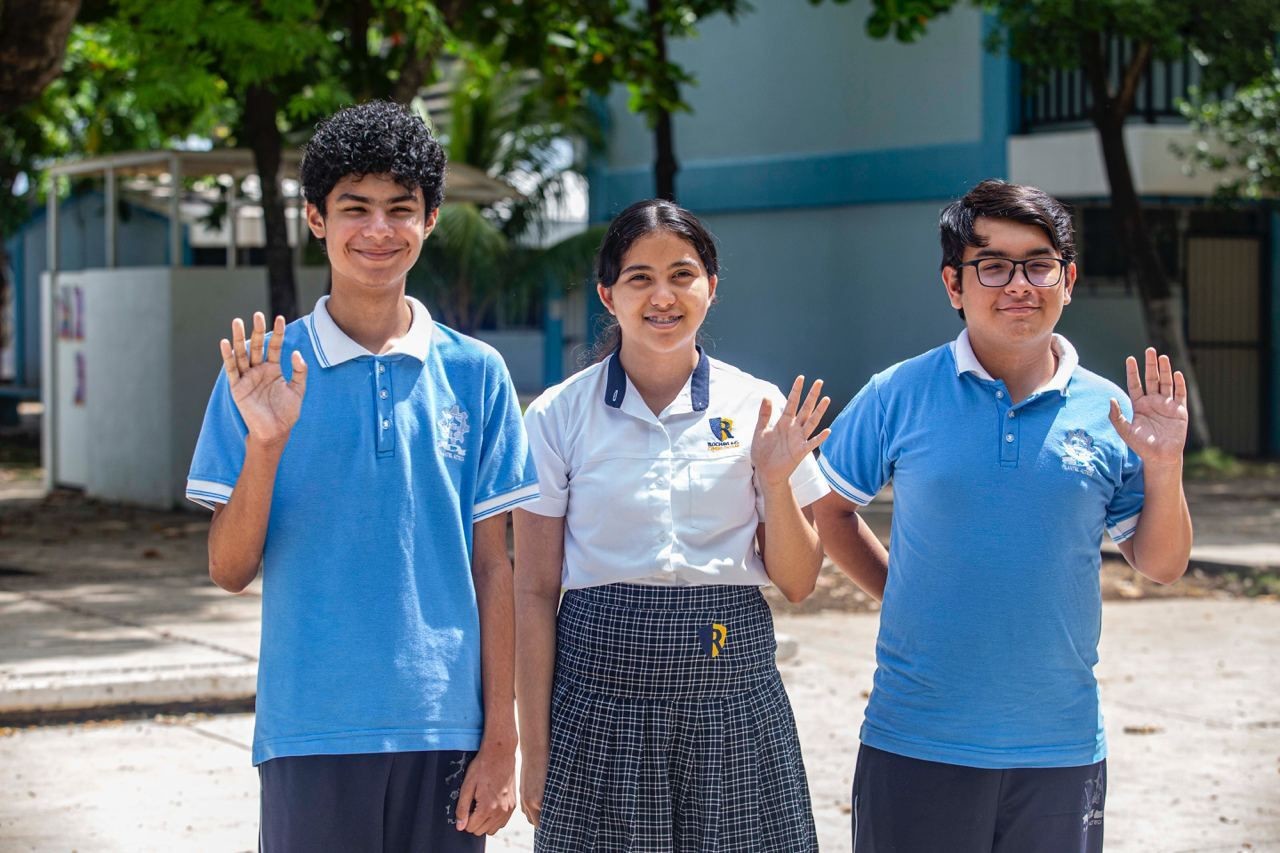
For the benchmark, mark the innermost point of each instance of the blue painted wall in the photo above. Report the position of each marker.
(142, 239)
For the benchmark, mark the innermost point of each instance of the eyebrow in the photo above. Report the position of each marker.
(683, 262)
(360, 199)
(996, 253)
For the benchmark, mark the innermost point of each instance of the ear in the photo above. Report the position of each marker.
(606, 297)
(951, 280)
(315, 221)
(430, 224)
(1070, 284)
(712, 281)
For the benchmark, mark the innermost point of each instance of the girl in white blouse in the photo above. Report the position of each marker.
(652, 715)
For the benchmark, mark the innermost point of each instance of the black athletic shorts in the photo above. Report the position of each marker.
(905, 805)
(371, 803)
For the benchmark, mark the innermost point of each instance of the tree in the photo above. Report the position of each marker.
(281, 65)
(33, 39)
(485, 261)
(1241, 136)
(583, 47)
(1233, 42)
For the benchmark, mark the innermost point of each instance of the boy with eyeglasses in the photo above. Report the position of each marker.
(1008, 461)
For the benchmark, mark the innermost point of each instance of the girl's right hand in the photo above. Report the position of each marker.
(533, 779)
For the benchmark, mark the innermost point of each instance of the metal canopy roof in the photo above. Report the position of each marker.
(462, 182)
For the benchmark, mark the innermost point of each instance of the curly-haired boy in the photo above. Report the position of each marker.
(369, 472)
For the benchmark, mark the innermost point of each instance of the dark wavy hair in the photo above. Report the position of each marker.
(996, 199)
(374, 138)
(640, 220)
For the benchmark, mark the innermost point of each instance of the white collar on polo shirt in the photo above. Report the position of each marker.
(332, 345)
(1068, 361)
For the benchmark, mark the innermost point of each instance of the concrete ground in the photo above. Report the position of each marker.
(1190, 688)
(105, 607)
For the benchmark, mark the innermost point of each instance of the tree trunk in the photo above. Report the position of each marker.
(1161, 303)
(665, 166)
(33, 42)
(268, 145)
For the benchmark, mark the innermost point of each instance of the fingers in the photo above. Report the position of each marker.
(299, 380)
(762, 420)
(810, 400)
(1131, 378)
(1179, 388)
(466, 800)
(277, 340)
(815, 417)
(532, 810)
(256, 353)
(229, 360)
(793, 397)
(237, 345)
(813, 443)
(1165, 369)
(1152, 371)
(1118, 420)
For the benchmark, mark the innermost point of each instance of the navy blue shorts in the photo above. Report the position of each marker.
(370, 803)
(912, 806)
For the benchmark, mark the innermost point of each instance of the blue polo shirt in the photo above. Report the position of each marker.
(370, 629)
(992, 610)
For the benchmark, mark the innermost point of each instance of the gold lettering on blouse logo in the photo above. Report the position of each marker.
(712, 638)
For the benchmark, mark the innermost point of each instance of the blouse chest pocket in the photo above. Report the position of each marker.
(721, 493)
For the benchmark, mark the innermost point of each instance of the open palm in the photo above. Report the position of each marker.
(1158, 430)
(777, 449)
(269, 405)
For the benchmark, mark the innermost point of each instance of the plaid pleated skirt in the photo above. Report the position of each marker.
(670, 727)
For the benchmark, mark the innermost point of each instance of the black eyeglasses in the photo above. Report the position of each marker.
(998, 272)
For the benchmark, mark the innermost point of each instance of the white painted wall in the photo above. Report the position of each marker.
(1069, 163)
(150, 348)
(792, 79)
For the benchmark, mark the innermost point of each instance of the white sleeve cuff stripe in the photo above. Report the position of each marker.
(505, 501)
(208, 493)
(841, 485)
(1122, 530)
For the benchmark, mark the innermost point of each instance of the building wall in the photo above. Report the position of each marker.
(141, 241)
(821, 170)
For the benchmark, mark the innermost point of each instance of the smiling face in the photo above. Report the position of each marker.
(1017, 314)
(373, 230)
(661, 296)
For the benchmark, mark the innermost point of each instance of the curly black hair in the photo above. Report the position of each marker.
(374, 138)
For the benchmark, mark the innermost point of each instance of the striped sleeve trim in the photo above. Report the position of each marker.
(843, 486)
(208, 493)
(1124, 529)
(505, 501)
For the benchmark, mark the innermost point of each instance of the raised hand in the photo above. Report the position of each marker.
(776, 450)
(1158, 430)
(268, 404)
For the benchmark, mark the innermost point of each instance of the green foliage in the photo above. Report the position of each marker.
(1233, 42)
(1241, 135)
(583, 47)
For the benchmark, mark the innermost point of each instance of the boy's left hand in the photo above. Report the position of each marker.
(1158, 430)
(488, 794)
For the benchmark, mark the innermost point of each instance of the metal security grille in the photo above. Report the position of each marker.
(1225, 333)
